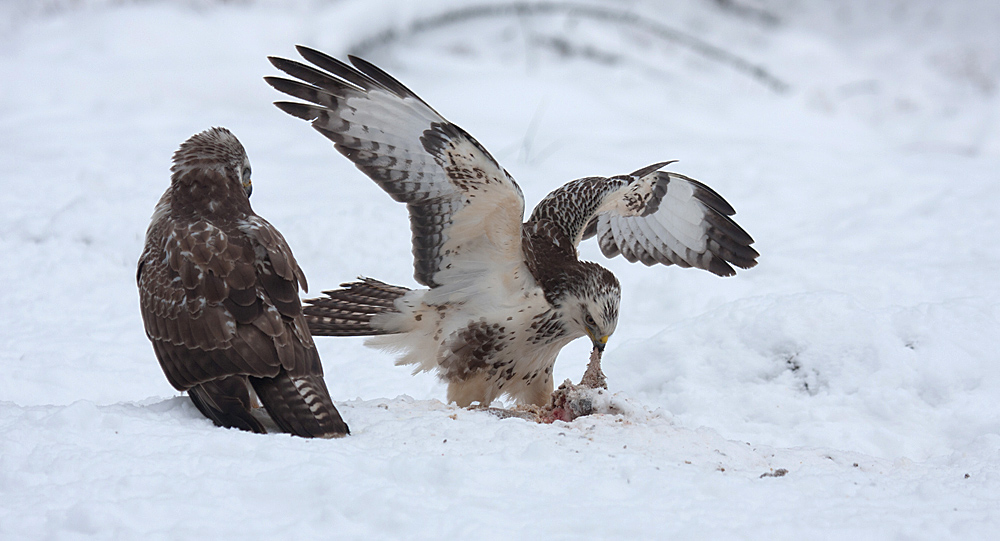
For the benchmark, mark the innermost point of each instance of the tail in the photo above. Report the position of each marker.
(226, 401)
(300, 405)
(349, 311)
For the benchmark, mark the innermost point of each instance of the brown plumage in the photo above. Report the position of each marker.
(218, 290)
(503, 295)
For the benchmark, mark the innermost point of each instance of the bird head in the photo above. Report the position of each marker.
(591, 303)
(215, 152)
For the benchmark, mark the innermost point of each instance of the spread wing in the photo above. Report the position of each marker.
(652, 216)
(465, 210)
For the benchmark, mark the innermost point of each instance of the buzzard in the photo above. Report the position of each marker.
(218, 289)
(502, 297)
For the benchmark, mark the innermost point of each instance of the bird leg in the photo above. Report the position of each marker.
(569, 401)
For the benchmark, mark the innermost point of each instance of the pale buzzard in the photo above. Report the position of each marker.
(504, 297)
(218, 289)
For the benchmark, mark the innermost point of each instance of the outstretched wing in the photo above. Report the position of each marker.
(652, 216)
(465, 210)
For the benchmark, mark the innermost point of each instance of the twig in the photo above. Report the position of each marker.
(600, 13)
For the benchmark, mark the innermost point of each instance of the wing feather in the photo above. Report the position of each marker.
(465, 210)
(202, 325)
(652, 216)
(218, 293)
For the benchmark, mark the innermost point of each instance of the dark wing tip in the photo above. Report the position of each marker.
(367, 67)
(383, 79)
(299, 110)
(711, 198)
(723, 268)
(278, 83)
(275, 60)
(304, 49)
(284, 64)
(719, 267)
(639, 173)
(321, 59)
(730, 242)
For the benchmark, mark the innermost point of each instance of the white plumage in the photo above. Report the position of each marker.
(502, 297)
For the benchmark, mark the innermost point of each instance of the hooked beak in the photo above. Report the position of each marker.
(599, 343)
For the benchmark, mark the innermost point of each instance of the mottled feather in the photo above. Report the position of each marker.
(218, 290)
(503, 297)
(465, 210)
(653, 217)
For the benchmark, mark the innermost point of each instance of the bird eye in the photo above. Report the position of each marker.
(247, 185)
(590, 320)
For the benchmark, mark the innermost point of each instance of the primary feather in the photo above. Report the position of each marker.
(503, 296)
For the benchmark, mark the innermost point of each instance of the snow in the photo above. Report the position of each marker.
(861, 355)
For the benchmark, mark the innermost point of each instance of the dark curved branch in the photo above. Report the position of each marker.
(599, 13)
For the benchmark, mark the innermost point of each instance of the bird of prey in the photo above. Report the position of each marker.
(218, 290)
(502, 297)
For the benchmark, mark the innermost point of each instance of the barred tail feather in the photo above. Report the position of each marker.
(300, 405)
(227, 402)
(349, 311)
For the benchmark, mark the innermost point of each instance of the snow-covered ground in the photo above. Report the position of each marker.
(860, 359)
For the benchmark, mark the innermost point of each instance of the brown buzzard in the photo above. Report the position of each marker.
(503, 296)
(218, 289)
